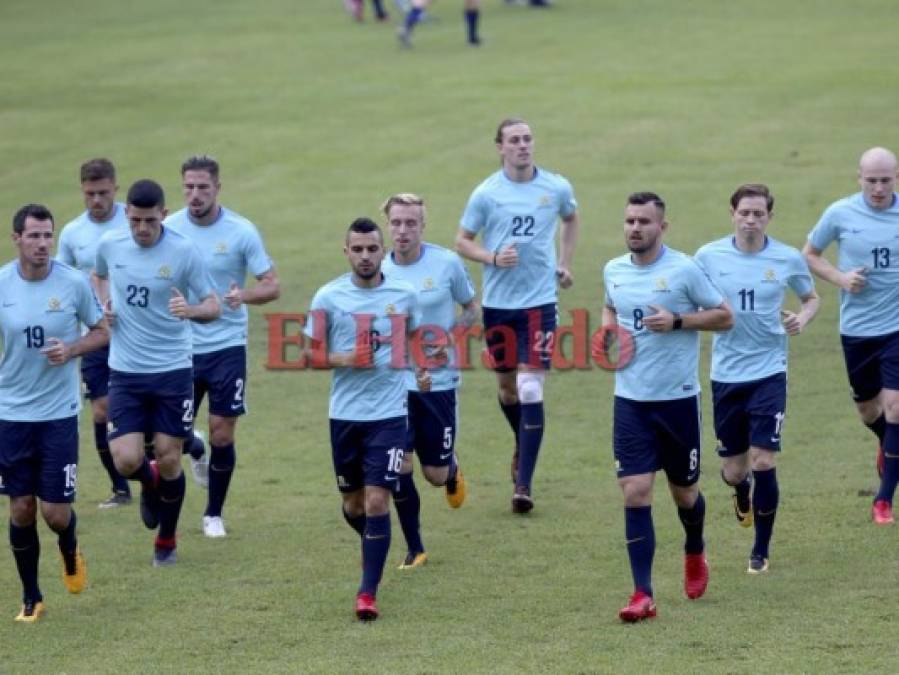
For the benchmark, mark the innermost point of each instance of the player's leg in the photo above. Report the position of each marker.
(121, 492)
(682, 435)
(406, 498)
(636, 461)
(889, 398)
(436, 444)
(378, 7)
(412, 18)
(56, 489)
(732, 432)
(194, 446)
(863, 367)
(26, 548)
(502, 354)
(472, 16)
(346, 456)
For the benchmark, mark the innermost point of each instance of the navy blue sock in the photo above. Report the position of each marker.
(879, 427)
(890, 476)
(764, 507)
(408, 507)
(375, 544)
(413, 17)
(641, 545)
(379, 9)
(512, 411)
(145, 475)
(453, 469)
(171, 497)
(693, 520)
(194, 447)
(356, 522)
(221, 467)
(530, 436)
(119, 482)
(68, 544)
(26, 548)
(471, 20)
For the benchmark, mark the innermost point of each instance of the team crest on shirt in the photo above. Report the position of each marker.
(546, 200)
(770, 275)
(221, 248)
(54, 304)
(165, 272)
(427, 284)
(390, 309)
(662, 285)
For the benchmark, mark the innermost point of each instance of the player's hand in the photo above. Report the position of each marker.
(565, 277)
(792, 323)
(363, 355)
(855, 280)
(233, 297)
(660, 321)
(56, 351)
(507, 257)
(108, 314)
(178, 306)
(423, 379)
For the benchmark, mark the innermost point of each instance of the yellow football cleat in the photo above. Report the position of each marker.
(455, 490)
(413, 560)
(76, 582)
(744, 515)
(31, 611)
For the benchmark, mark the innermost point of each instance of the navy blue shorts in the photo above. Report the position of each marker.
(872, 364)
(749, 413)
(367, 453)
(40, 458)
(530, 333)
(151, 402)
(223, 374)
(654, 435)
(432, 426)
(95, 373)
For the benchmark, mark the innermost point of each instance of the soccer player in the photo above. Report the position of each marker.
(441, 282)
(356, 8)
(78, 248)
(660, 298)
(354, 320)
(230, 246)
(43, 304)
(144, 277)
(749, 362)
(516, 212)
(867, 273)
(472, 10)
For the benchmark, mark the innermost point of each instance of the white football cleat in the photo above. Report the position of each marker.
(199, 468)
(214, 527)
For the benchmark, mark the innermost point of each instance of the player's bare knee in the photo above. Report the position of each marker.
(869, 410)
(354, 503)
(684, 495)
(406, 467)
(57, 516)
(435, 475)
(735, 469)
(100, 410)
(530, 386)
(221, 430)
(377, 501)
(763, 460)
(22, 510)
(890, 398)
(637, 490)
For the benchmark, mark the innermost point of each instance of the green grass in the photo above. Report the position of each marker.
(316, 120)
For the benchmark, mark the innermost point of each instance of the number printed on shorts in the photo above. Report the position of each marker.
(694, 459)
(543, 341)
(447, 438)
(238, 391)
(187, 405)
(71, 476)
(779, 423)
(395, 459)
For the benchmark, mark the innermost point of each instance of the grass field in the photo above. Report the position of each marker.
(316, 120)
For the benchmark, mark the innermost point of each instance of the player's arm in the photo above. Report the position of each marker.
(715, 318)
(469, 315)
(266, 289)
(852, 281)
(794, 323)
(208, 309)
(360, 357)
(568, 235)
(467, 247)
(96, 337)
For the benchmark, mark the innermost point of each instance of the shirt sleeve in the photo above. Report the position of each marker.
(88, 310)
(701, 290)
(317, 311)
(610, 303)
(461, 287)
(800, 279)
(258, 260)
(475, 215)
(825, 231)
(567, 202)
(64, 252)
(101, 266)
(199, 280)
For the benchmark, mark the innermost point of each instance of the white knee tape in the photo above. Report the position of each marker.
(530, 386)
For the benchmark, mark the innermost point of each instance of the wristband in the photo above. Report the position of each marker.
(494, 259)
(678, 322)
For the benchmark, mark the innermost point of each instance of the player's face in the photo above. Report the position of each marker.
(35, 244)
(643, 227)
(146, 224)
(406, 223)
(201, 193)
(99, 198)
(751, 216)
(365, 251)
(878, 181)
(517, 147)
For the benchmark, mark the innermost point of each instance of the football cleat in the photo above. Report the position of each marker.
(366, 609)
(413, 560)
(882, 512)
(31, 611)
(521, 500)
(879, 461)
(743, 510)
(455, 490)
(696, 575)
(214, 527)
(149, 502)
(757, 565)
(164, 556)
(116, 500)
(199, 466)
(77, 580)
(639, 607)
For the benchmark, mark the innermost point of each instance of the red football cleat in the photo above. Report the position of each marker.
(880, 461)
(696, 575)
(639, 607)
(366, 609)
(882, 512)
